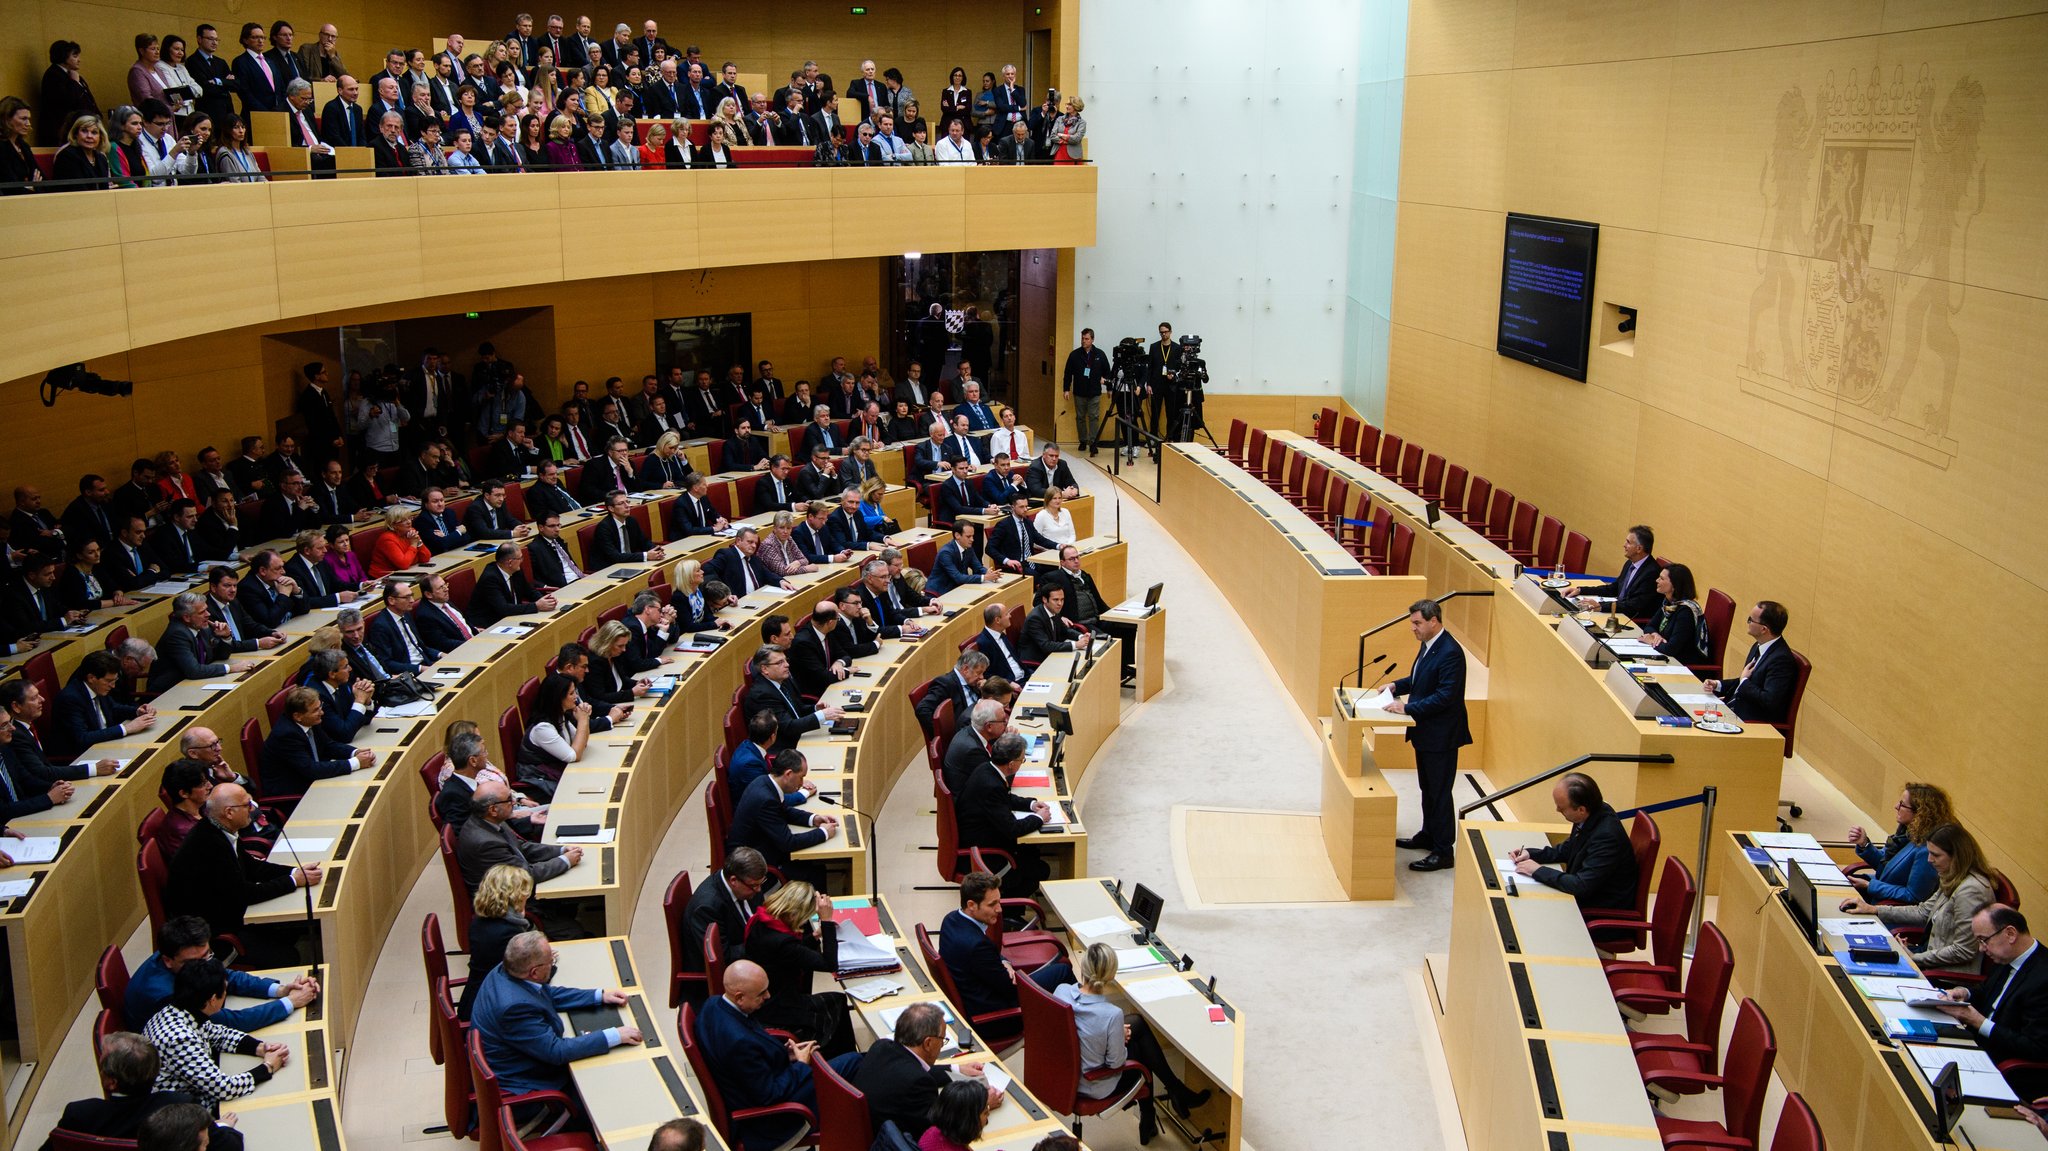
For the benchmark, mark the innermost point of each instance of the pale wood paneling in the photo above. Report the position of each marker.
(1454, 139)
(1868, 491)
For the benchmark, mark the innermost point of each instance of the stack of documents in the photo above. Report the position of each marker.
(859, 954)
(1818, 867)
(1129, 959)
(34, 849)
(1101, 926)
(1982, 1082)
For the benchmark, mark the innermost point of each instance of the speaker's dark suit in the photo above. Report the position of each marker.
(1435, 688)
(211, 879)
(1765, 694)
(499, 594)
(293, 759)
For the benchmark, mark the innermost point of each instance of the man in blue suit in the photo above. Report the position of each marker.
(750, 759)
(393, 636)
(518, 1014)
(88, 713)
(974, 959)
(345, 706)
(958, 496)
(1435, 687)
(439, 528)
(763, 815)
(753, 1068)
(979, 417)
(297, 751)
(956, 564)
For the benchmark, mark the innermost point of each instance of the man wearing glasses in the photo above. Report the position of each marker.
(212, 878)
(2009, 1010)
(518, 1014)
(487, 840)
(728, 900)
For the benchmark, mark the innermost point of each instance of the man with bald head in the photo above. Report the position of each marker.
(752, 1067)
(518, 1015)
(211, 877)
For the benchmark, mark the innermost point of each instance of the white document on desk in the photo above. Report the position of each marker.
(15, 888)
(1981, 1079)
(1890, 986)
(857, 951)
(90, 767)
(1154, 990)
(1377, 701)
(1130, 959)
(1852, 926)
(299, 848)
(1102, 925)
(413, 710)
(1689, 702)
(34, 849)
(1770, 839)
(995, 1077)
(603, 835)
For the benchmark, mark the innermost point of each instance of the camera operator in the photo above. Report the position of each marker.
(1194, 372)
(1082, 379)
(1162, 382)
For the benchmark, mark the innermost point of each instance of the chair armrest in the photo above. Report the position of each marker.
(1004, 1016)
(797, 1109)
(1706, 1139)
(787, 1036)
(1649, 1041)
(1634, 967)
(1101, 1073)
(550, 1098)
(1649, 995)
(1619, 913)
(1635, 927)
(1676, 1079)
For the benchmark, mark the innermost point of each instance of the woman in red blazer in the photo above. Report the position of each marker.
(400, 545)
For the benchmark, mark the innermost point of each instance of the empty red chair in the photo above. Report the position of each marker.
(716, 819)
(1400, 546)
(1798, 1130)
(511, 733)
(1233, 445)
(1292, 476)
(1349, 428)
(673, 902)
(1549, 542)
(1455, 477)
(1411, 467)
(1706, 990)
(434, 956)
(110, 980)
(1668, 920)
(1578, 552)
(1326, 427)
(1500, 517)
(1054, 1072)
(1389, 462)
(1432, 477)
(1522, 534)
(1752, 1049)
(465, 904)
(1473, 510)
(1367, 449)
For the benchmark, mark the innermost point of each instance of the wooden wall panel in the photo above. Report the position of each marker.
(1828, 214)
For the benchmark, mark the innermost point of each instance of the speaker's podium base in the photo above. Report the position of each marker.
(1359, 810)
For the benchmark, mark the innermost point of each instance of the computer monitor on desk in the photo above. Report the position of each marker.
(1803, 899)
(1152, 595)
(1146, 906)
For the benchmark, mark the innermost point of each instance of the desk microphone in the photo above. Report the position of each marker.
(312, 925)
(874, 855)
(1391, 669)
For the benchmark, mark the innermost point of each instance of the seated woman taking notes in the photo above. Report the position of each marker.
(1964, 889)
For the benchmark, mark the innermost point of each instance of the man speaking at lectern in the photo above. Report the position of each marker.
(1435, 687)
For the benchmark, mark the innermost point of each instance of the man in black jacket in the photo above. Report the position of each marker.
(1047, 629)
(2009, 1010)
(553, 566)
(1595, 865)
(298, 749)
(213, 879)
(547, 493)
(772, 692)
(958, 685)
(900, 1076)
(728, 899)
(1763, 692)
(1050, 473)
(128, 1068)
(990, 815)
(1634, 591)
(288, 510)
(762, 817)
(1435, 691)
(619, 538)
(504, 590)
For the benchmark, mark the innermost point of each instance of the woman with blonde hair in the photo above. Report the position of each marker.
(500, 905)
(1899, 870)
(608, 681)
(326, 637)
(728, 117)
(871, 492)
(1964, 887)
(400, 546)
(654, 152)
(781, 938)
(1109, 1039)
(1067, 130)
(83, 157)
(692, 614)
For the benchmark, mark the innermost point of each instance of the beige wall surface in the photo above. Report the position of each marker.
(1829, 216)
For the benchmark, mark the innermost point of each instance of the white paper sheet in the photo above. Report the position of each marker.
(15, 888)
(34, 849)
(1102, 925)
(1154, 990)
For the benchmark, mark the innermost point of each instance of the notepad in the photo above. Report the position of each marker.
(1102, 925)
(1154, 990)
(995, 1077)
(1891, 987)
(300, 849)
(229, 686)
(34, 849)
(1846, 926)
(1981, 1079)
(1130, 959)
(602, 835)
(872, 990)
(1769, 839)
(508, 629)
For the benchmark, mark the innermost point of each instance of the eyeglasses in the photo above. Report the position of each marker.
(1905, 805)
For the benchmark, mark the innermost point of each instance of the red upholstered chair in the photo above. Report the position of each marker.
(62, 1140)
(843, 1120)
(681, 984)
(1549, 543)
(1645, 839)
(1255, 453)
(511, 733)
(1478, 495)
(465, 905)
(1389, 462)
(1233, 444)
(1027, 948)
(1668, 920)
(1002, 1029)
(515, 501)
(461, 584)
(716, 820)
(1790, 727)
(1400, 547)
(1798, 1130)
(1455, 479)
(1326, 427)
(1522, 534)
(711, 950)
(1293, 482)
(1500, 517)
(430, 773)
(252, 764)
(1367, 449)
(110, 980)
(1311, 498)
(1054, 1072)
(494, 1109)
(1752, 1049)
(151, 823)
(586, 538)
(524, 697)
(719, 496)
(1578, 552)
(735, 728)
(434, 955)
(1719, 615)
(41, 670)
(273, 708)
(1706, 991)
(1432, 477)
(1411, 467)
(793, 1116)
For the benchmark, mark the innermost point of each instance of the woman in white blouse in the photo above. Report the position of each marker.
(1009, 438)
(1054, 521)
(180, 89)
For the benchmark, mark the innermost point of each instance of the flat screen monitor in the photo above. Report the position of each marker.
(1804, 899)
(1145, 908)
(1546, 293)
(1060, 718)
(1152, 594)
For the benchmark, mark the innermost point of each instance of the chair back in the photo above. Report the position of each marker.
(1645, 839)
(1706, 991)
(1312, 489)
(945, 721)
(273, 708)
(490, 1097)
(1053, 1073)
(1719, 612)
(1233, 444)
(1326, 427)
(715, 963)
(947, 857)
(1791, 725)
(434, 954)
(1377, 536)
(465, 904)
(735, 728)
(526, 695)
(1433, 477)
(613, 613)
(1668, 920)
(714, 1099)
(1578, 552)
(716, 821)
(1297, 467)
(41, 670)
(62, 1140)
(843, 1120)
(511, 733)
(936, 963)
(147, 829)
(252, 754)
(1455, 478)
(1752, 1049)
(110, 979)
(1411, 466)
(1255, 453)
(104, 1024)
(674, 901)
(1400, 550)
(461, 585)
(723, 498)
(1478, 496)
(1389, 462)
(1367, 449)
(155, 875)
(1797, 1129)
(430, 776)
(1500, 515)
(1549, 542)
(1522, 528)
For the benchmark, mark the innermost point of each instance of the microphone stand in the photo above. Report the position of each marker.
(874, 855)
(1391, 669)
(312, 924)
